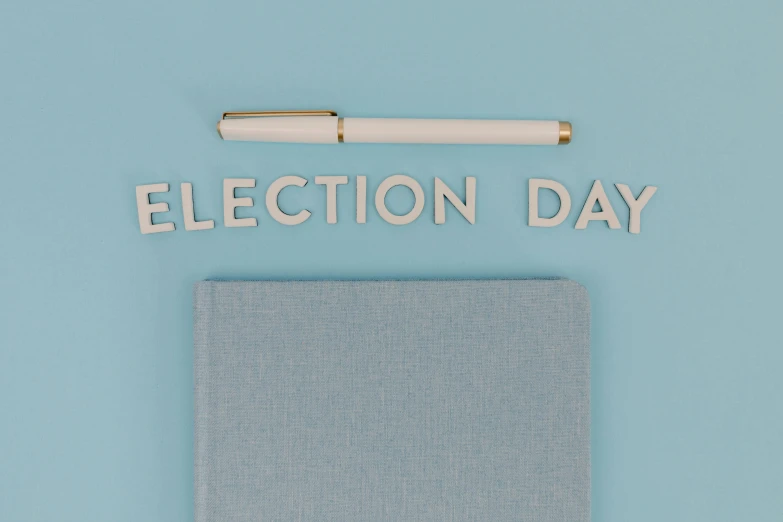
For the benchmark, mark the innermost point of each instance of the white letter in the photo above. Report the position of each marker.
(187, 210)
(274, 208)
(388, 184)
(331, 183)
(635, 206)
(533, 218)
(606, 214)
(230, 202)
(361, 199)
(468, 210)
(146, 209)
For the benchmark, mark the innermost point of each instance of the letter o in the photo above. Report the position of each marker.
(388, 184)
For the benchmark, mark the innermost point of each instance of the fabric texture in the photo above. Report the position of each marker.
(392, 400)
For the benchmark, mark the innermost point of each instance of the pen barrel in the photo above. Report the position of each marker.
(446, 131)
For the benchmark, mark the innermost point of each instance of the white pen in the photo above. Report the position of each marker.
(327, 127)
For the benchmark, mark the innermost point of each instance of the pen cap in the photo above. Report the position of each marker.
(288, 129)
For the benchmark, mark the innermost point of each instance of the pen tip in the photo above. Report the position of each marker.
(218, 129)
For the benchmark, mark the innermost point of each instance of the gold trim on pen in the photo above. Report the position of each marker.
(340, 136)
(565, 133)
(259, 114)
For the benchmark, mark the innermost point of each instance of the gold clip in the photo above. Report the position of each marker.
(261, 114)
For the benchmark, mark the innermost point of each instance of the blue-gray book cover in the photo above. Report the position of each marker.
(392, 400)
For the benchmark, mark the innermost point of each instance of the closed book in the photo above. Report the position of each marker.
(392, 400)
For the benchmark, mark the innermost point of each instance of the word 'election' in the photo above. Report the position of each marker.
(466, 207)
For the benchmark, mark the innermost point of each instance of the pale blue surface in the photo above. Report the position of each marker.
(95, 319)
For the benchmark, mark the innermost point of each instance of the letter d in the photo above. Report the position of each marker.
(534, 220)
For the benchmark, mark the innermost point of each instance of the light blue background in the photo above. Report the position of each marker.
(95, 318)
